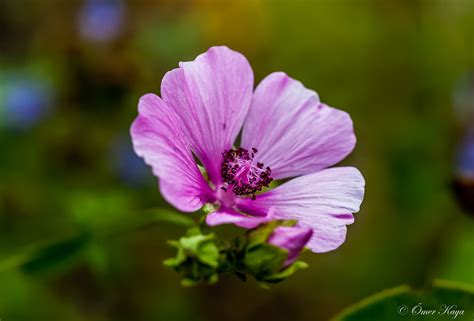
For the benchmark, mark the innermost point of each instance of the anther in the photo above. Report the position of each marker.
(239, 171)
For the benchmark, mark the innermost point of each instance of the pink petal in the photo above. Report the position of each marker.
(292, 239)
(212, 96)
(157, 138)
(229, 216)
(323, 201)
(295, 133)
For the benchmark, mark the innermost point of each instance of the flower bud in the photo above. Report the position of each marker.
(292, 239)
(197, 257)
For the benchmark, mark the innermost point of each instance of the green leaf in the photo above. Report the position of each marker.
(405, 304)
(55, 255)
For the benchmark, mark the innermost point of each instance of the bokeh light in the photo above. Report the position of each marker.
(101, 20)
(25, 100)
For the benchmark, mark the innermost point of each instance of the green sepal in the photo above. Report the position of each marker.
(180, 257)
(260, 235)
(197, 257)
(263, 232)
(282, 275)
(264, 259)
(187, 282)
(202, 247)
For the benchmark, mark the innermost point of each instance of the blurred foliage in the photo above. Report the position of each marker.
(68, 173)
(444, 301)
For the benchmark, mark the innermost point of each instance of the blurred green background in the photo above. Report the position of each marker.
(71, 73)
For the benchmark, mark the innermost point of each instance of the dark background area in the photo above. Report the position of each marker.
(71, 73)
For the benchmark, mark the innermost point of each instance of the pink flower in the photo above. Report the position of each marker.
(292, 239)
(287, 132)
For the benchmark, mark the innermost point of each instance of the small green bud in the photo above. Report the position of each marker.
(197, 257)
(209, 208)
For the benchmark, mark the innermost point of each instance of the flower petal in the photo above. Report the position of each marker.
(292, 239)
(295, 133)
(323, 201)
(158, 139)
(212, 96)
(226, 216)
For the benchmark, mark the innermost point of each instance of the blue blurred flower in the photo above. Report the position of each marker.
(25, 100)
(465, 155)
(101, 20)
(127, 165)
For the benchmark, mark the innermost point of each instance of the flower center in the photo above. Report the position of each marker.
(240, 172)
